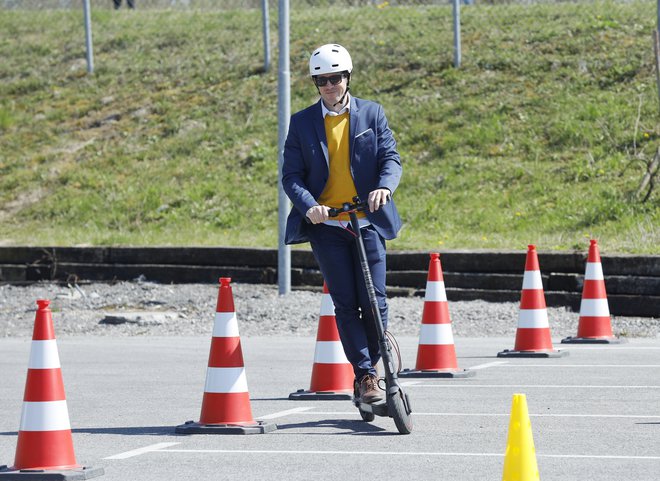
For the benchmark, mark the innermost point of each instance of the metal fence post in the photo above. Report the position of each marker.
(457, 32)
(656, 51)
(88, 36)
(656, 47)
(284, 112)
(266, 29)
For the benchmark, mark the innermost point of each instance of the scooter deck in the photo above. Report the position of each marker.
(378, 408)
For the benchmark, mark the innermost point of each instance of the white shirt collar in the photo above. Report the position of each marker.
(325, 111)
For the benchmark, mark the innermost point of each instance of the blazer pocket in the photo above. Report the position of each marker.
(364, 132)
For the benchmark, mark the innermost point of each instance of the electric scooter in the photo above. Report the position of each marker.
(396, 404)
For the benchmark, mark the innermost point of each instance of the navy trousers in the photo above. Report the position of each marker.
(335, 250)
(129, 3)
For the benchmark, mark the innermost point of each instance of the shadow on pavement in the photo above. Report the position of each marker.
(130, 430)
(359, 428)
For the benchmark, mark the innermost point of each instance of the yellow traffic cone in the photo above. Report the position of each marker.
(520, 458)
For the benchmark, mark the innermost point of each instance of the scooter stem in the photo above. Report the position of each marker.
(391, 379)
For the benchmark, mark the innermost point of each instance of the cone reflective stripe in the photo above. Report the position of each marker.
(436, 354)
(594, 325)
(225, 325)
(331, 371)
(520, 456)
(45, 443)
(436, 334)
(226, 380)
(332, 374)
(226, 402)
(328, 353)
(533, 332)
(45, 416)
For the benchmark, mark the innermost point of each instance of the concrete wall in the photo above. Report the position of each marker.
(632, 282)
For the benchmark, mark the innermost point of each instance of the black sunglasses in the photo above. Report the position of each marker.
(323, 81)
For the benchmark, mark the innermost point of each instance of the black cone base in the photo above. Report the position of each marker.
(45, 474)
(191, 427)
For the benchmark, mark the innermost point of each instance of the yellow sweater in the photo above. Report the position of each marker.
(340, 187)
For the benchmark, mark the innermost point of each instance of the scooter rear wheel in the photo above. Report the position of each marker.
(367, 416)
(402, 419)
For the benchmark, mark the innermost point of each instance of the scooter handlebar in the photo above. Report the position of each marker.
(356, 206)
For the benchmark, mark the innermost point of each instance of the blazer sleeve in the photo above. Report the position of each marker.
(389, 161)
(294, 170)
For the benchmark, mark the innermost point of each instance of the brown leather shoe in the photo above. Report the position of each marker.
(368, 389)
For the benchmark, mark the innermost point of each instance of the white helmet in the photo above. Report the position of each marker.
(330, 58)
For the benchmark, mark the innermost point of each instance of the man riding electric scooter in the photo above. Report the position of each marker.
(339, 148)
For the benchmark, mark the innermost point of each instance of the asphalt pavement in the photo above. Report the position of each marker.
(595, 414)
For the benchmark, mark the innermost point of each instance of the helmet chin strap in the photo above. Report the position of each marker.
(341, 100)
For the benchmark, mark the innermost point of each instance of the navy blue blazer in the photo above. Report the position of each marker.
(375, 163)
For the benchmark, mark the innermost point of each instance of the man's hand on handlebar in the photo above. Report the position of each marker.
(378, 198)
(317, 214)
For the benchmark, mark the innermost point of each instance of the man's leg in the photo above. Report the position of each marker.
(374, 245)
(333, 249)
(117, 3)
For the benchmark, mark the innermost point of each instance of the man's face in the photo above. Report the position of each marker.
(334, 88)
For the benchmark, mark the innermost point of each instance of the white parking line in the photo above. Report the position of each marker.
(524, 386)
(582, 365)
(596, 456)
(609, 348)
(488, 364)
(627, 416)
(281, 414)
(394, 453)
(146, 449)
(408, 383)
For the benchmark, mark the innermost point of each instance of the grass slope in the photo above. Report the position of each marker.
(173, 140)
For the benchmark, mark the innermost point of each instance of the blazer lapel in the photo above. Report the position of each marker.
(319, 127)
(352, 125)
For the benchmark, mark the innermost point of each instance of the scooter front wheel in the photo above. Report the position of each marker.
(402, 418)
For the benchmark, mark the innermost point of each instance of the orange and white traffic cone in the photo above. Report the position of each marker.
(226, 404)
(594, 326)
(436, 354)
(45, 446)
(533, 334)
(332, 374)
